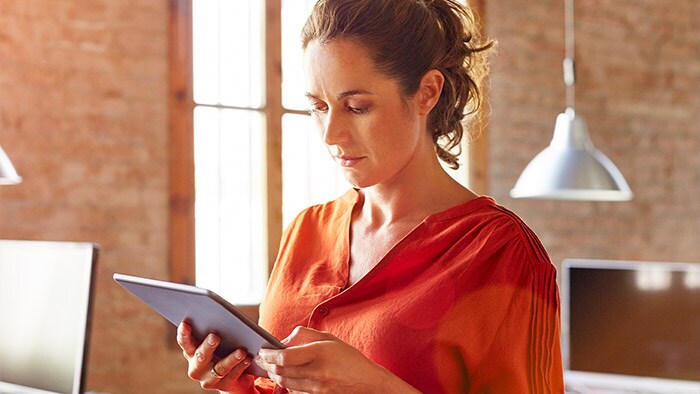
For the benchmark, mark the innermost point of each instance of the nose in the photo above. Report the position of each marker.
(334, 128)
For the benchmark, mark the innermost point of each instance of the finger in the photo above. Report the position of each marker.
(205, 352)
(185, 340)
(238, 360)
(305, 371)
(233, 366)
(295, 385)
(227, 373)
(200, 362)
(303, 335)
(224, 371)
(291, 356)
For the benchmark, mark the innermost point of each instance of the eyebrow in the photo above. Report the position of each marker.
(342, 95)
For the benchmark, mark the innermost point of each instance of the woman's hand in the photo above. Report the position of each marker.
(318, 362)
(225, 374)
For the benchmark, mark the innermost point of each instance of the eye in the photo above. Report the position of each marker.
(317, 109)
(357, 110)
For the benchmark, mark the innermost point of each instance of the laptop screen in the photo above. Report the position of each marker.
(45, 290)
(632, 318)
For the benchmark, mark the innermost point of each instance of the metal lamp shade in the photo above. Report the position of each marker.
(8, 175)
(571, 168)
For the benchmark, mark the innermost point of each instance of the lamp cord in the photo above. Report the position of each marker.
(568, 64)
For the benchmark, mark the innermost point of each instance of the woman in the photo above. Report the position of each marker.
(409, 282)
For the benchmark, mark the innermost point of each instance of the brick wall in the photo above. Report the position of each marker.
(83, 115)
(638, 87)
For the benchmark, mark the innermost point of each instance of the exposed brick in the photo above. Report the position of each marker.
(83, 115)
(637, 83)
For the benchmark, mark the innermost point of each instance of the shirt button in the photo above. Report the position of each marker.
(323, 310)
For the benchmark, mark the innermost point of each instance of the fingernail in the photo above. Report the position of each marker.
(211, 339)
(246, 361)
(238, 354)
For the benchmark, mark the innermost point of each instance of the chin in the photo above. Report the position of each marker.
(361, 183)
(367, 179)
(357, 182)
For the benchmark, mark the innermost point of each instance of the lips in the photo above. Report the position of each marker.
(348, 161)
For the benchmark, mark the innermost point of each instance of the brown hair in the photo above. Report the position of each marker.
(406, 39)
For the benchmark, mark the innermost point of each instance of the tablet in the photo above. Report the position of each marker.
(206, 312)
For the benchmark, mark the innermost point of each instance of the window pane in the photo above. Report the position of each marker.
(241, 53)
(205, 50)
(227, 52)
(310, 174)
(294, 14)
(206, 175)
(231, 258)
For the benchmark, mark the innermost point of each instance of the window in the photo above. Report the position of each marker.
(231, 104)
(245, 158)
(229, 150)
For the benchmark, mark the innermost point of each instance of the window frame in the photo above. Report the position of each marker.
(181, 248)
(181, 240)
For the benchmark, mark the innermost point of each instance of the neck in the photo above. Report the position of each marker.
(422, 188)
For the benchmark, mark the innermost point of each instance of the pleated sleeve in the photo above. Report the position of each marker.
(525, 355)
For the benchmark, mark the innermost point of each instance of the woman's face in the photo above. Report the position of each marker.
(371, 130)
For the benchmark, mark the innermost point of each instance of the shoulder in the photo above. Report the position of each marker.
(524, 238)
(319, 223)
(495, 231)
(326, 213)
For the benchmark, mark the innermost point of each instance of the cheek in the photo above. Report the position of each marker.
(397, 135)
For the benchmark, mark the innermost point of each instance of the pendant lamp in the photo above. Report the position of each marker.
(8, 175)
(571, 168)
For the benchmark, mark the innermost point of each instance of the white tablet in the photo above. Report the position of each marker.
(206, 312)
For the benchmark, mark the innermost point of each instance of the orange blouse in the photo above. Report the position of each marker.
(467, 302)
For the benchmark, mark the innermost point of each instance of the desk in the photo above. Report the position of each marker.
(577, 382)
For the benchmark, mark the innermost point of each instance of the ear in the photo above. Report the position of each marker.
(429, 91)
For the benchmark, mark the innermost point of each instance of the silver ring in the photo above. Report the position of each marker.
(216, 374)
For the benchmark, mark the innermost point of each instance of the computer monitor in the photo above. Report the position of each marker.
(639, 321)
(45, 299)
